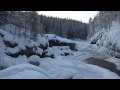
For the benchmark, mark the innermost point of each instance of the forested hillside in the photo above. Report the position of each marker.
(34, 23)
(104, 31)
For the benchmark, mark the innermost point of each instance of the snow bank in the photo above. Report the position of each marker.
(24, 71)
(114, 35)
(109, 39)
(57, 69)
(4, 62)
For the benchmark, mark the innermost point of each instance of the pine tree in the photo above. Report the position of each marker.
(3, 17)
(33, 23)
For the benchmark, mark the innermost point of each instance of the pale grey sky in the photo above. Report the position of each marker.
(76, 15)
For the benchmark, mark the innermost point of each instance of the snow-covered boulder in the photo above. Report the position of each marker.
(39, 50)
(35, 60)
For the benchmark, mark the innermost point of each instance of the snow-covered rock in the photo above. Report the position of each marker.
(34, 59)
(50, 51)
(39, 50)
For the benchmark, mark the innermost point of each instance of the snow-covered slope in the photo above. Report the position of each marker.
(49, 57)
(14, 47)
(109, 40)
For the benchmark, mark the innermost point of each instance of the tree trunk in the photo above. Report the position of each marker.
(25, 32)
(15, 33)
(19, 32)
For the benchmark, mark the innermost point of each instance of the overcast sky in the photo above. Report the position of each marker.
(76, 15)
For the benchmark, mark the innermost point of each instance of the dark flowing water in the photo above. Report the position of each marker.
(104, 64)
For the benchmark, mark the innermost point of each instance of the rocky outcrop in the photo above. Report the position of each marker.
(53, 42)
(29, 52)
(9, 44)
